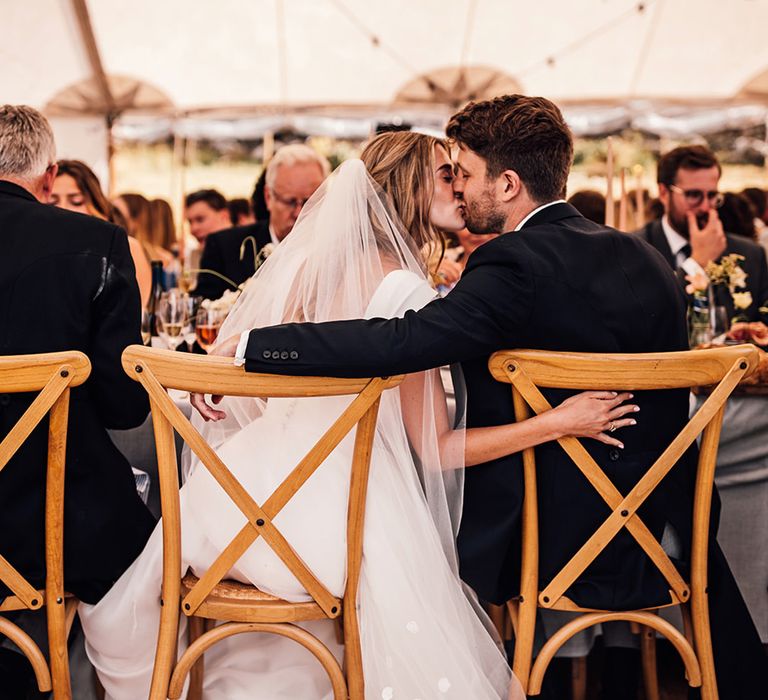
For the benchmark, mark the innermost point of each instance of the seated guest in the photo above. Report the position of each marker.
(206, 212)
(590, 204)
(240, 213)
(737, 216)
(67, 282)
(690, 234)
(292, 176)
(162, 227)
(138, 212)
(77, 188)
(759, 200)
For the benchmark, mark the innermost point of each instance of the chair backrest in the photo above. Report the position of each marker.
(51, 375)
(158, 370)
(529, 370)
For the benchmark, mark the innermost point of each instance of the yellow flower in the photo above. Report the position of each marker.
(742, 300)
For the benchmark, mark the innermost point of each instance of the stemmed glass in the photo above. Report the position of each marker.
(207, 325)
(193, 304)
(171, 315)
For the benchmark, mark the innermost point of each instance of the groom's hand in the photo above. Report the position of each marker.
(226, 348)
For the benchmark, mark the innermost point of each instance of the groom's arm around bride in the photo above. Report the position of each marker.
(555, 281)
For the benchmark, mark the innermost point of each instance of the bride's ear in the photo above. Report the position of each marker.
(509, 185)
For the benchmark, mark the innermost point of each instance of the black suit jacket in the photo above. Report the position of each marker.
(222, 254)
(67, 282)
(560, 283)
(754, 264)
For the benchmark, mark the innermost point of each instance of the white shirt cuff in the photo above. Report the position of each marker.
(241, 346)
(690, 266)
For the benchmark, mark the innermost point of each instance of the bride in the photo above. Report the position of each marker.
(354, 252)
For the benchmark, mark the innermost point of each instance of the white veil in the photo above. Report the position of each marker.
(333, 266)
(346, 240)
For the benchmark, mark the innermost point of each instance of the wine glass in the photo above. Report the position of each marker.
(171, 318)
(207, 325)
(193, 305)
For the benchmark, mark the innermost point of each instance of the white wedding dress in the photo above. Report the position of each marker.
(417, 642)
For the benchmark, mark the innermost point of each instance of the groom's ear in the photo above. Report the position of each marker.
(509, 185)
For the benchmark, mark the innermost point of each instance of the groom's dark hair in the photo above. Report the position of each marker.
(520, 133)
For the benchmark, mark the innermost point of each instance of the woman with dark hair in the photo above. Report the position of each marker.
(77, 189)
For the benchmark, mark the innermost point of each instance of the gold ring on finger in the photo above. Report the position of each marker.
(611, 427)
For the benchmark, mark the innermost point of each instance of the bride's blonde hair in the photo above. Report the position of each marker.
(402, 163)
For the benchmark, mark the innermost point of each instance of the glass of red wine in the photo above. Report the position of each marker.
(207, 325)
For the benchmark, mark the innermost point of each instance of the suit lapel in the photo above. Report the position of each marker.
(659, 241)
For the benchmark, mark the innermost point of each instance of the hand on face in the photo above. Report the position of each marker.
(706, 236)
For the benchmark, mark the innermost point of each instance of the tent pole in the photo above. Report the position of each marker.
(112, 184)
(179, 168)
(609, 211)
(100, 77)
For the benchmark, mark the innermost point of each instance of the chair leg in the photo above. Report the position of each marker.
(167, 645)
(702, 636)
(648, 656)
(526, 628)
(353, 657)
(513, 615)
(56, 614)
(498, 615)
(579, 678)
(196, 674)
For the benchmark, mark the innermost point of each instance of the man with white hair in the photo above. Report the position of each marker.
(293, 175)
(67, 282)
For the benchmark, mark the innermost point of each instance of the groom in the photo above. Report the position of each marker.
(556, 282)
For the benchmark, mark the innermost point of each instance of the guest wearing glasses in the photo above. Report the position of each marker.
(292, 177)
(690, 234)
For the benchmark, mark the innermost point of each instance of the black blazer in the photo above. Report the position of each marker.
(754, 264)
(222, 254)
(67, 282)
(560, 283)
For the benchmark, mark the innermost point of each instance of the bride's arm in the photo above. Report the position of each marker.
(588, 414)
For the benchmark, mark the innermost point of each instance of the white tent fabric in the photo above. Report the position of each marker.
(360, 52)
(330, 59)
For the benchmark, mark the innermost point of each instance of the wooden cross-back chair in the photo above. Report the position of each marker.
(528, 371)
(51, 375)
(243, 608)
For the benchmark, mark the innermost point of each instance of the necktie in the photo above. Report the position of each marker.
(683, 254)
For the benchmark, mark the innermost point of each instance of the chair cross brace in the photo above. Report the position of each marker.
(57, 385)
(624, 508)
(260, 518)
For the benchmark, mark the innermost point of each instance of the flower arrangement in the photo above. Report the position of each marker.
(224, 303)
(729, 274)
